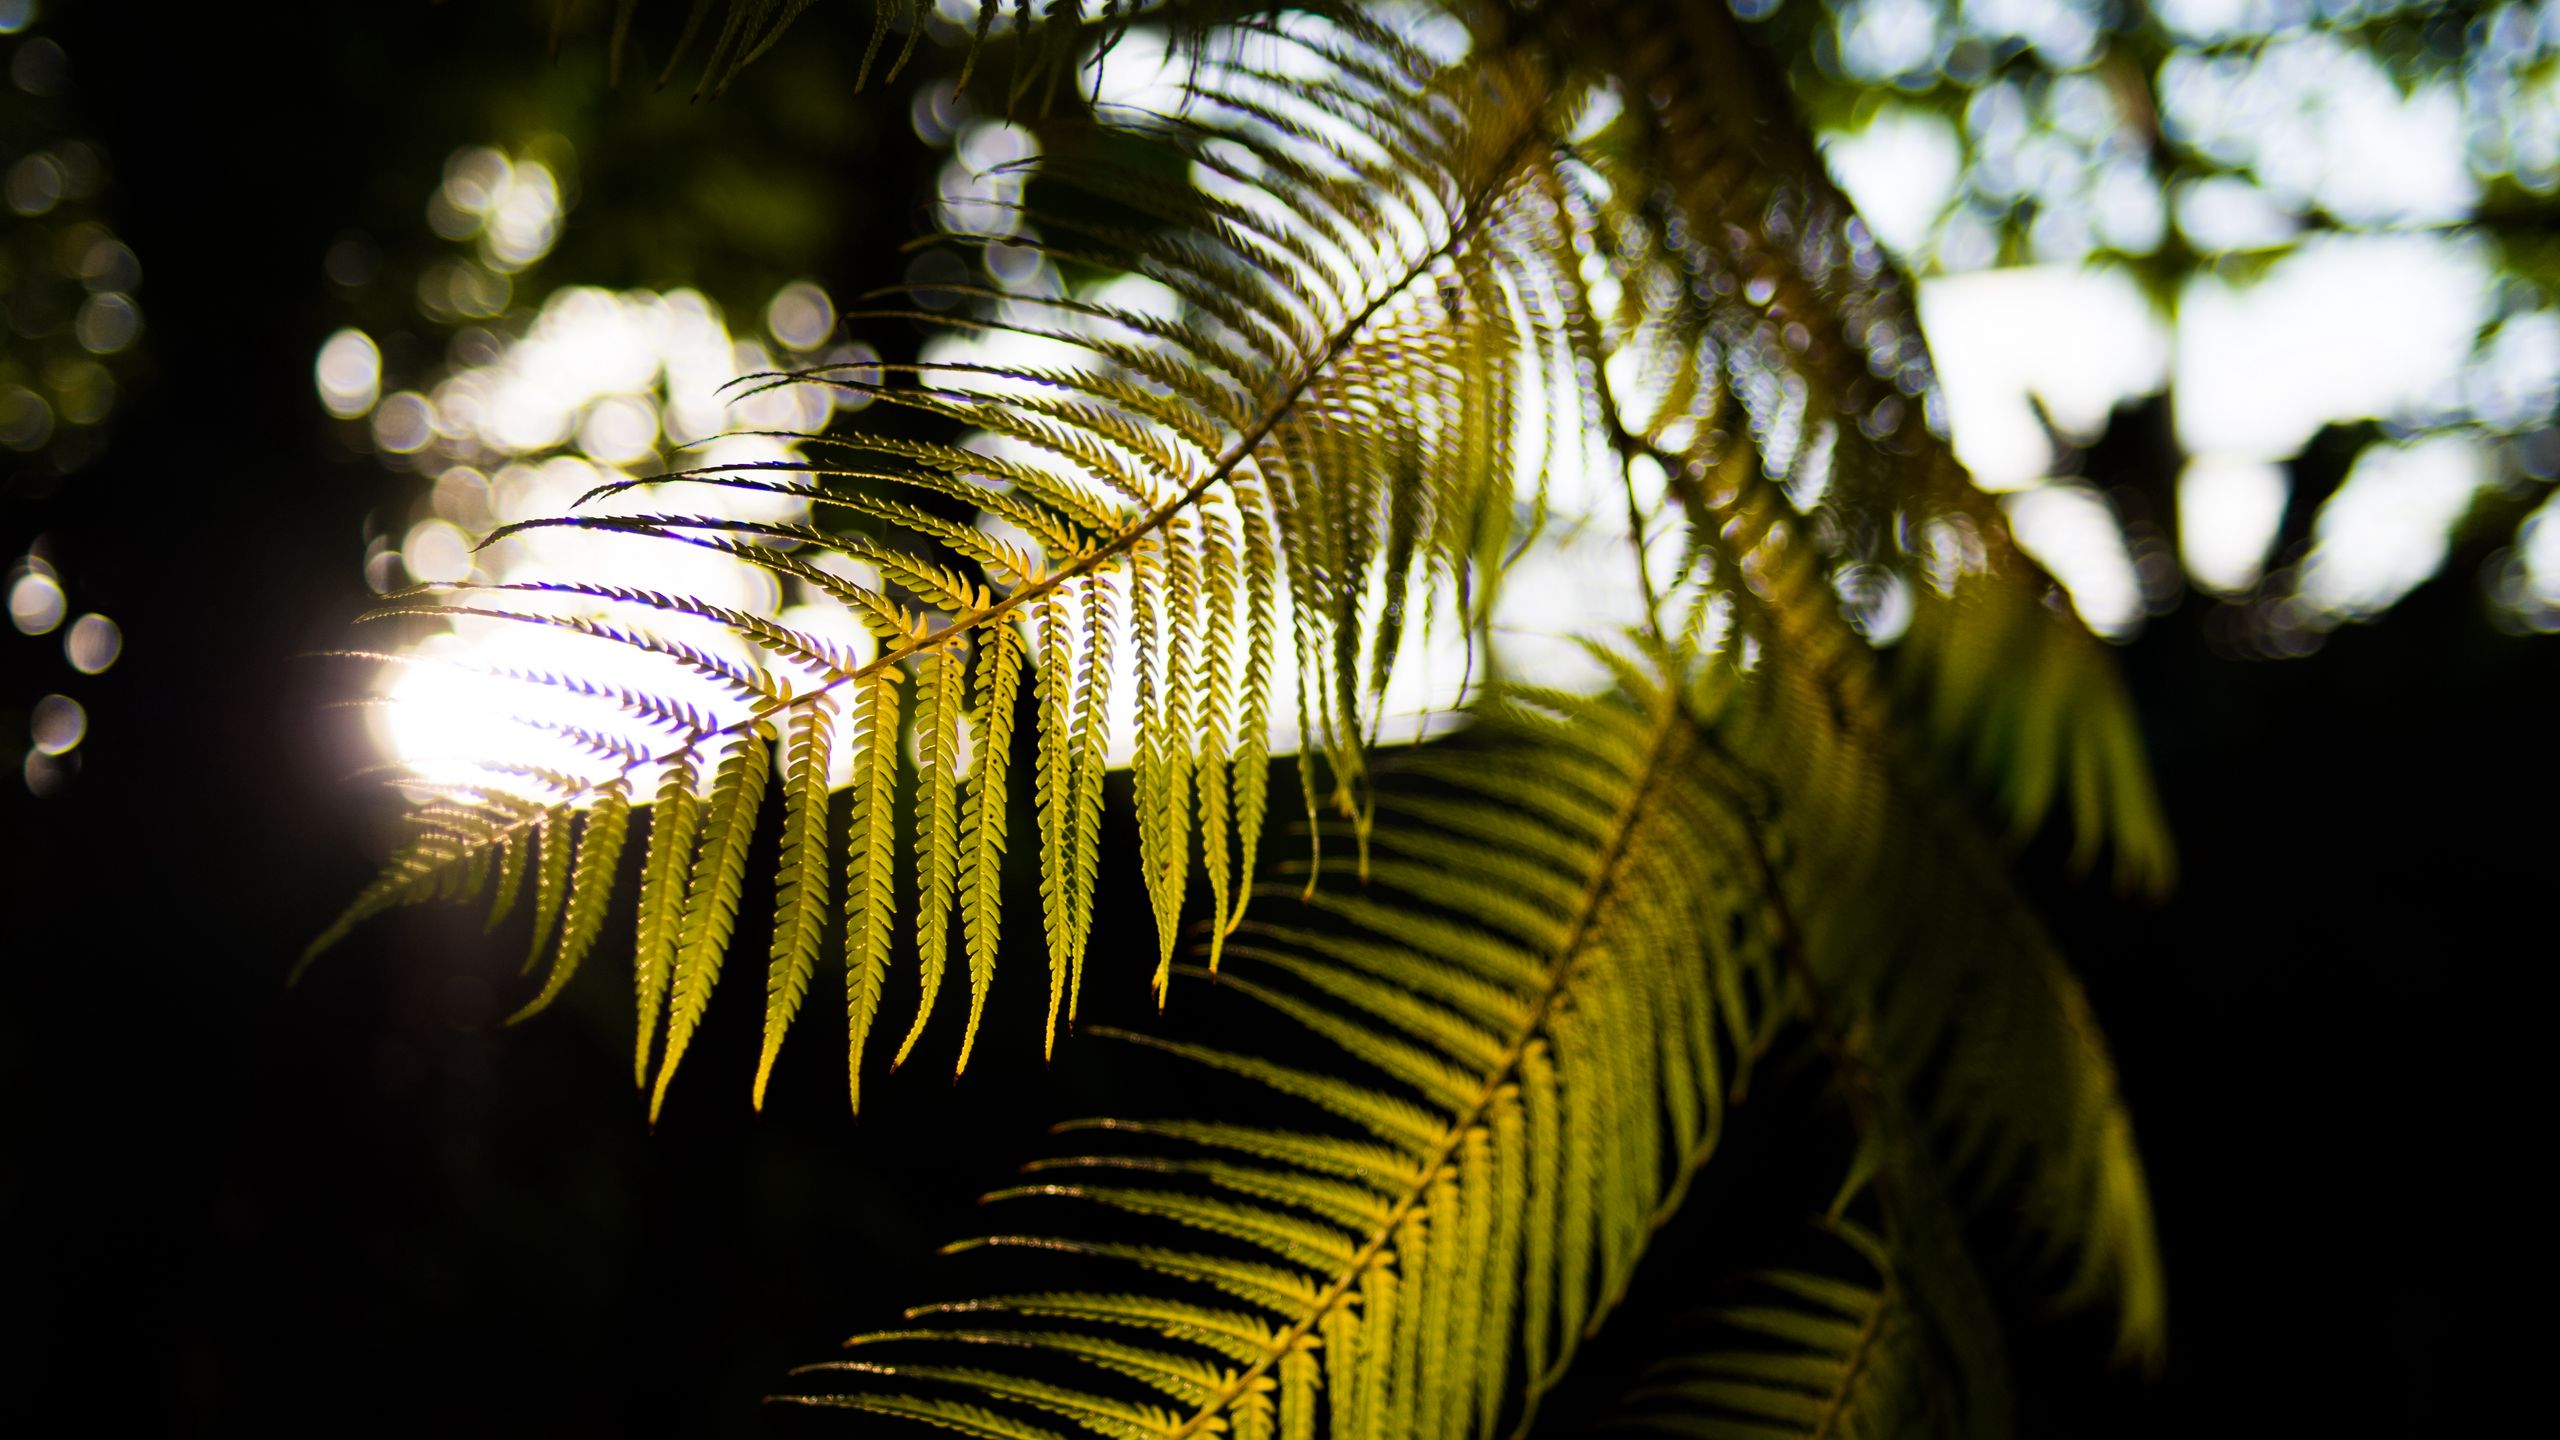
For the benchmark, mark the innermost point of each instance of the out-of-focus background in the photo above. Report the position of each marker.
(2247, 309)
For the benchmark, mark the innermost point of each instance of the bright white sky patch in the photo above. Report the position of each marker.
(551, 415)
(2385, 530)
(2073, 532)
(2222, 213)
(2319, 123)
(1906, 160)
(1881, 39)
(2345, 328)
(2082, 340)
(2228, 511)
(2211, 19)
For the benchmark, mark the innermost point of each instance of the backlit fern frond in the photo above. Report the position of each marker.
(1532, 1018)
(1965, 1039)
(1965, 1044)
(1370, 348)
(1760, 311)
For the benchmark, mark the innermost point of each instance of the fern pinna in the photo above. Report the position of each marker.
(1410, 288)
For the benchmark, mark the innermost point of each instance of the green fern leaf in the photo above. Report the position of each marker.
(513, 858)
(447, 858)
(551, 837)
(1217, 659)
(674, 824)
(870, 886)
(982, 819)
(941, 711)
(600, 842)
(1057, 766)
(1253, 706)
(1232, 1333)
(800, 907)
(1177, 1376)
(1103, 1415)
(712, 896)
(1155, 658)
(1084, 827)
(1891, 496)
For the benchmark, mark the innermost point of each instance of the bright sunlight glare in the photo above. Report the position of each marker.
(600, 388)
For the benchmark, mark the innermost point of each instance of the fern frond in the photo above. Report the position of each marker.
(1058, 765)
(1747, 267)
(1328, 411)
(972, 1420)
(1573, 943)
(434, 864)
(1218, 642)
(1386, 1267)
(1939, 990)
